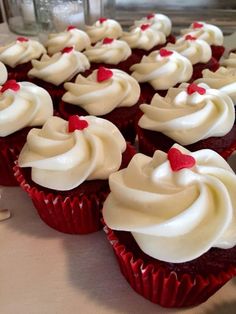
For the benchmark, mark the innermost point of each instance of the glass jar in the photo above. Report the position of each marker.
(56, 15)
(20, 16)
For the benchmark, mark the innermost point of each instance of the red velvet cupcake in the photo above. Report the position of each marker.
(195, 116)
(143, 39)
(103, 28)
(174, 253)
(161, 70)
(108, 93)
(17, 57)
(198, 52)
(51, 72)
(210, 33)
(111, 53)
(71, 37)
(22, 105)
(64, 168)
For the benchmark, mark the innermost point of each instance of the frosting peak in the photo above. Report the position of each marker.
(63, 155)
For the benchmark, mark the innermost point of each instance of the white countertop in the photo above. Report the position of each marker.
(43, 271)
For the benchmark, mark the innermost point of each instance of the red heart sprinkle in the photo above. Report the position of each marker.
(150, 16)
(165, 53)
(192, 88)
(22, 39)
(107, 40)
(70, 27)
(75, 123)
(67, 49)
(11, 84)
(103, 74)
(197, 25)
(190, 37)
(102, 19)
(144, 26)
(178, 160)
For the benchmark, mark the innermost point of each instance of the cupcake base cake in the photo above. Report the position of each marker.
(149, 141)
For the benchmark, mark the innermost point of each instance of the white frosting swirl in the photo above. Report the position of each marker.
(208, 32)
(158, 21)
(102, 29)
(59, 68)
(62, 160)
(174, 216)
(69, 38)
(230, 61)
(144, 39)
(3, 73)
(100, 98)
(188, 119)
(20, 52)
(112, 53)
(223, 79)
(197, 51)
(31, 105)
(162, 72)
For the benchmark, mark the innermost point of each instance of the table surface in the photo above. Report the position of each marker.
(43, 271)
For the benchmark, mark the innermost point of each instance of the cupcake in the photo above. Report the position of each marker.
(22, 106)
(171, 219)
(71, 37)
(103, 28)
(17, 57)
(229, 61)
(160, 22)
(198, 52)
(210, 33)
(108, 93)
(161, 70)
(111, 53)
(64, 168)
(51, 72)
(3, 73)
(223, 79)
(144, 39)
(194, 116)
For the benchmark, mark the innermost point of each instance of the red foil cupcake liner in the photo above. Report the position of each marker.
(164, 287)
(77, 212)
(7, 158)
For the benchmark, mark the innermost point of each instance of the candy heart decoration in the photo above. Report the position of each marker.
(11, 84)
(197, 25)
(22, 39)
(194, 88)
(165, 53)
(190, 37)
(70, 27)
(150, 16)
(103, 74)
(75, 123)
(144, 26)
(102, 19)
(178, 160)
(107, 40)
(67, 49)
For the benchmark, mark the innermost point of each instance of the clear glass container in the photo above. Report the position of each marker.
(20, 16)
(56, 15)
